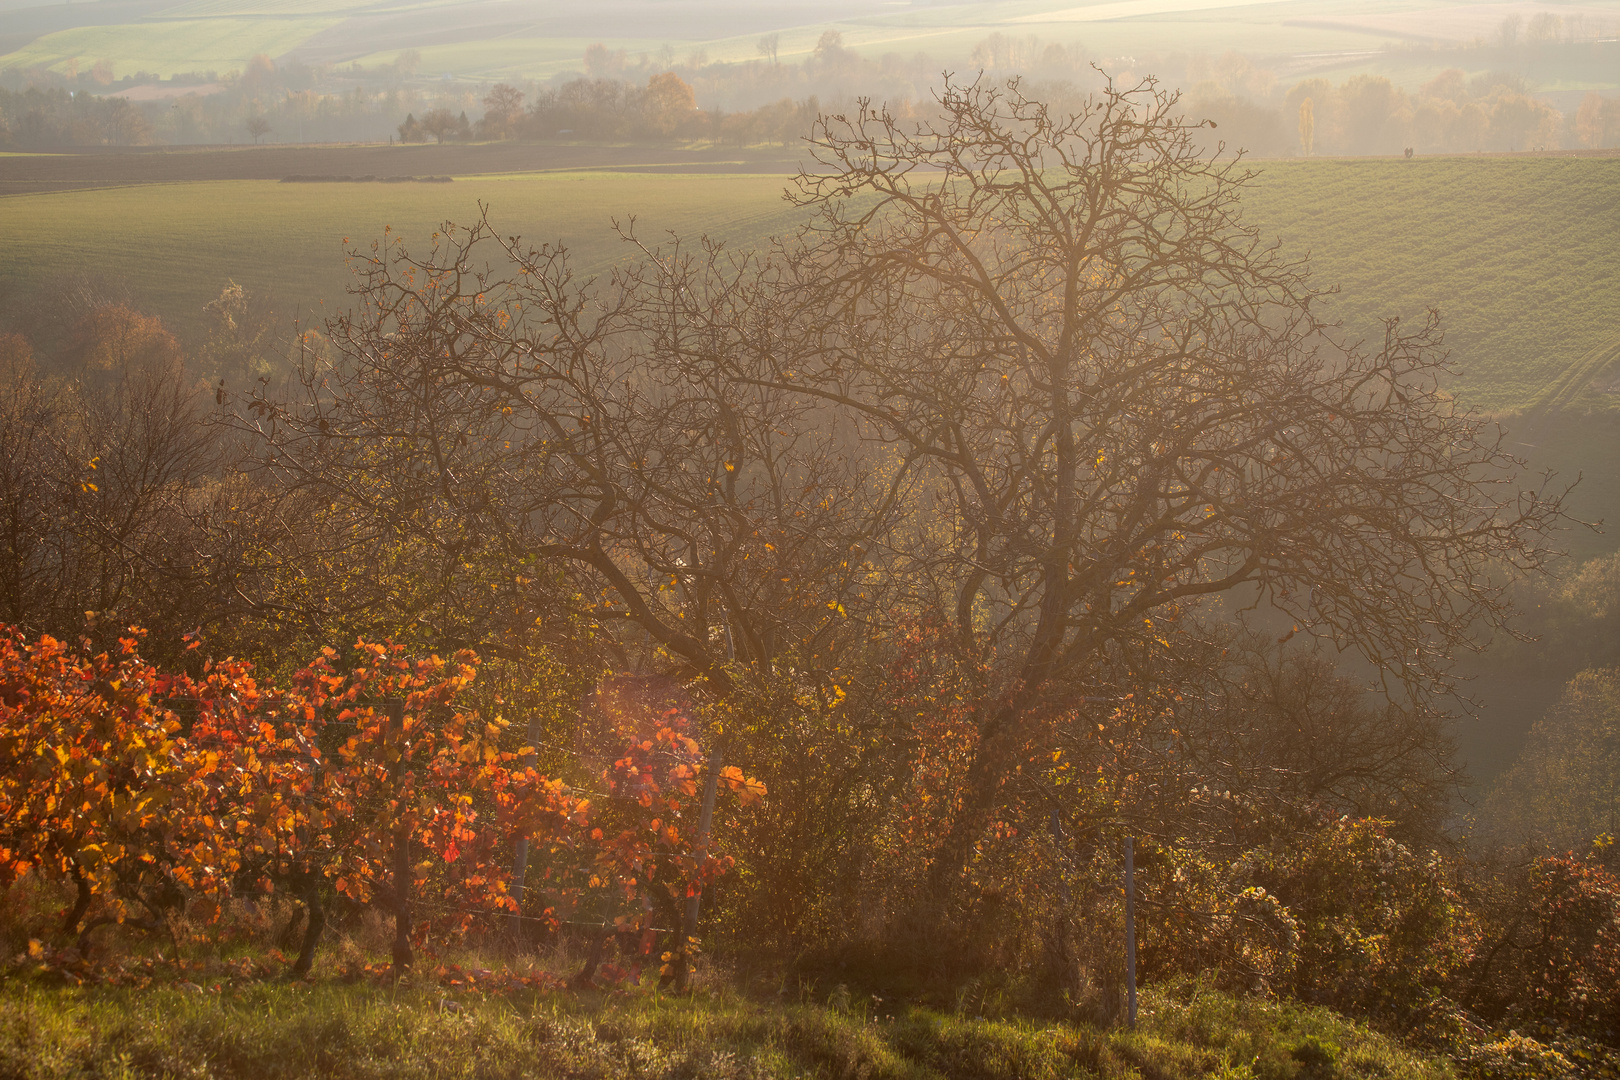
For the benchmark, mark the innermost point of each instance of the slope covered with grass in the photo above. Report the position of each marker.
(171, 46)
(1518, 254)
(176, 244)
(292, 1031)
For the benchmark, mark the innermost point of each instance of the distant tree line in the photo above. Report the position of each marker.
(1451, 113)
(612, 110)
(1370, 115)
(60, 117)
(289, 101)
(661, 96)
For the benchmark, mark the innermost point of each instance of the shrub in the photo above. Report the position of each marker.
(158, 796)
(1381, 929)
(1554, 958)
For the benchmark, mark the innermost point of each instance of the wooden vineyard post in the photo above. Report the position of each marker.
(1130, 931)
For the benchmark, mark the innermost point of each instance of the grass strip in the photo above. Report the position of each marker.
(359, 1032)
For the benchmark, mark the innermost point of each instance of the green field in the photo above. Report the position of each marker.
(212, 9)
(176, 244)
(1518, 254)
(167, 48)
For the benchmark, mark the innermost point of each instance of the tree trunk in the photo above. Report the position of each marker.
(81, 902)
(310, 893)
(587, 974)
(998, 740)
(289, 933)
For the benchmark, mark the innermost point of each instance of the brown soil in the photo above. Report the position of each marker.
(72, 169)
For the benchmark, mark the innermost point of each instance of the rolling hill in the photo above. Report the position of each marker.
(1517, 253)
(522, 39)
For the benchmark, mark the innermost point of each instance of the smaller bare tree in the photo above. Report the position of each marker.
(439, 123)
(503, 105)
(257, 126)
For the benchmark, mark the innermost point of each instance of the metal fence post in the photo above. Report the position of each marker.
(520, 862)
(711, 782)
(402, 850)
(1130, 931)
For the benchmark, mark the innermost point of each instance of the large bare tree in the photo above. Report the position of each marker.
(1029, 368)
(1122, 403)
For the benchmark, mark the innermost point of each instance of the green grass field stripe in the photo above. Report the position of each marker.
(214, 9)
(1575, 382)
(176, 244)
(1550, 396)
(1517, 254)
(1588, 371)
(169, 47)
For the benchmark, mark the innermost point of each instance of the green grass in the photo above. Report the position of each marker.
(288, 1031)
(169, 47)
(176, 244)
(1518, 254)
(524, 54)
(209, 9)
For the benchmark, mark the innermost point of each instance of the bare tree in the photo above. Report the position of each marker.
(33, 557)
(1122, 404)
(503, 105)
(1028, 369)
(440, 123)
(101, 500)
(522, 420)
(257, 126)
(1286, 731)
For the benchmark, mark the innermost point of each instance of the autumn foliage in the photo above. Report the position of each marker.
(364, 777)
(115, 337)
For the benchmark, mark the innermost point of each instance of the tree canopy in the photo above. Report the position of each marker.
(1024, 371)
